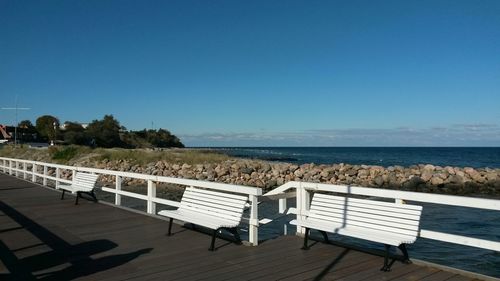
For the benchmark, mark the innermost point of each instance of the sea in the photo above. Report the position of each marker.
(475, 157)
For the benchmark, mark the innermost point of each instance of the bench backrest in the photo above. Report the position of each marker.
(216, 204)
(85, 180)
(400, 219)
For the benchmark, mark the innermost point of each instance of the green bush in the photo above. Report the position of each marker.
(64, 154)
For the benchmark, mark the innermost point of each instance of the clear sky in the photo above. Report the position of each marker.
(257, 73)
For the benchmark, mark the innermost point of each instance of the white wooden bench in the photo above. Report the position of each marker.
(388, 223)
(83, 183)
(211, 209)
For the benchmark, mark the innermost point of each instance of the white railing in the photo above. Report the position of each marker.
(37, 170)
(303, 189)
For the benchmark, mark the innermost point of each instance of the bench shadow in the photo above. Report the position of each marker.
(62, 261)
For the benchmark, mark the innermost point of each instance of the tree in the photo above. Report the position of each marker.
(74, 133)
(45, 126)
(26, 131)
(163, 138)
(105, 132)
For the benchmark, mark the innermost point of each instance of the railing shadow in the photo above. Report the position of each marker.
(75, 260)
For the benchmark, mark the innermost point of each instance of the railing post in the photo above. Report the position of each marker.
(17, 168)
(282, 205)
(25, 168)
(45, 170)
(151, 194)
(33, 172)
(302, 206)
(118, 186)
(253, 226)
(58, 174)
(4, 166)
(10, 167)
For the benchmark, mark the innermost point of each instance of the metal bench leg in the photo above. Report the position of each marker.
(403, 249)
(325, 236)
(212, 245)
(386, 266)
(306, 237)
(77, 196)
(170, 227)
(93, 196)
(236, 235)
(62, 195)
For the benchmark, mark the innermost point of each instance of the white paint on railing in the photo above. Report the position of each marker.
(151, 206)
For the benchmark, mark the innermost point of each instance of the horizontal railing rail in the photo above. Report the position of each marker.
(301, 191)
(37, 169)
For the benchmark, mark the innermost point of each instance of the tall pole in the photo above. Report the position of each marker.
(16, 124)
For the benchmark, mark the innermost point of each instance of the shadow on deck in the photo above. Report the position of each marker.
(44, 238)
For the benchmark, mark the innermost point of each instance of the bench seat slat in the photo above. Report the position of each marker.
(82, 182)
(199, 219)
(361, 233)
(208, 209)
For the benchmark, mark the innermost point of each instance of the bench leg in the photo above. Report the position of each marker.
(212, 244)
(403, 249)
(236, 235)
(62, 195)
(386, 266)
(77, 196)
(93, 196)
(170, 227)
(325, 236)
(306, 237)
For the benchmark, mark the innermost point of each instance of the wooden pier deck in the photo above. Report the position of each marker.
(42, 237)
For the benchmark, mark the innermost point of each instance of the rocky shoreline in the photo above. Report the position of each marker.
(268, 175)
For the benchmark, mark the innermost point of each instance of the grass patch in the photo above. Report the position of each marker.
(75, 154)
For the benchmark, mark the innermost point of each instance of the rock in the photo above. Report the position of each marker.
(426, 174)
(378, 180)
(436, 180)
(429, 167)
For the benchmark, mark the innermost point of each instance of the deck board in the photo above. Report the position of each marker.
(42, 236)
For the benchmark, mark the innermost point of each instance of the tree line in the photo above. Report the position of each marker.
(106, 132)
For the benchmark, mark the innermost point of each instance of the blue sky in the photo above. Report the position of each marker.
(258, 73)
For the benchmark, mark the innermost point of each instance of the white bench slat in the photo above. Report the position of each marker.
(370, 202)
(210, 208)
(218, 193)
(362, 233)
(370, 205)
(349, 217)
(214, 199)
(413, 221)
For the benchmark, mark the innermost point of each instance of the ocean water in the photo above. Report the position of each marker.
(476, 157)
